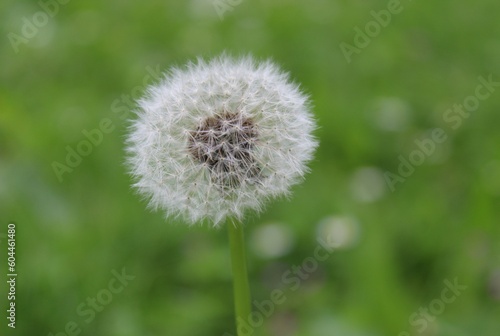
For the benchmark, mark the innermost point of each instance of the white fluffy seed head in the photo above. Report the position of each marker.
(220, 137)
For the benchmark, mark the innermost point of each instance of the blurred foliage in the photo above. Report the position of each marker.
(396, 248)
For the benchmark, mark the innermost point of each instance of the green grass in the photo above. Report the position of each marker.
(441, 223)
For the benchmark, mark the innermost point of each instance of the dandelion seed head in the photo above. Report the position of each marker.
(217, 138)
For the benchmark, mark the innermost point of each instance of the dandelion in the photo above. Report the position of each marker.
(216, 139)
(219, 138)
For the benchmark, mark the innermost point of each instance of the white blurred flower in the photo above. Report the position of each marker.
(220, 137)
(343, 231)
(272, 240)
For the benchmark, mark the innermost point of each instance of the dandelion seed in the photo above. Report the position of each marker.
(218, 138)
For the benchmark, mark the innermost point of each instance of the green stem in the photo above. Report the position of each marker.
(242, 303)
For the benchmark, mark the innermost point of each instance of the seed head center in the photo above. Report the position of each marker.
(224, 143)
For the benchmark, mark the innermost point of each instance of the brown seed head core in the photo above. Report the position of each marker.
(224, 144)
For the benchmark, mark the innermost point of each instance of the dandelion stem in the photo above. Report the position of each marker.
(242, 303)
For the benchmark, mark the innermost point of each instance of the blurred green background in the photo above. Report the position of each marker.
(65, 74)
